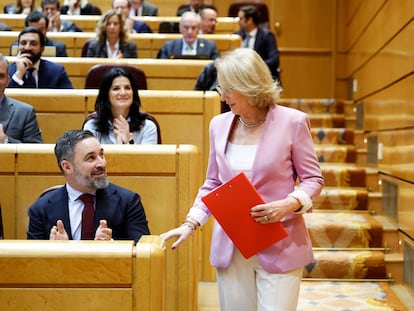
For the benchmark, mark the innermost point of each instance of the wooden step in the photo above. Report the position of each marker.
(347, 264)
(327, 120)
(336, 153)
(344, 230)
(375, 202)
(339, 136)
(394, 264)
(342, 198)
(314, 105)
(391, 235)
(350, 175)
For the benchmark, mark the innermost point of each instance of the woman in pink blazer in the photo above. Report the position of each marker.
(272, 144)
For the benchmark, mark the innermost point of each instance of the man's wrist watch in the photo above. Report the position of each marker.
(6, 140)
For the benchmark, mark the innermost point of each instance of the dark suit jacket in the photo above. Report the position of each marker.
(88, 9)
(120, 207)
(266, 46)
(141, 27)
(50, 76)
(60, 47)
(204, 47)
(149, 9)
(187, 8)
(98, 49)
(68, 26)
(19, 122)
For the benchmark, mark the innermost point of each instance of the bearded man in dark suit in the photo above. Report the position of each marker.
(117, 213)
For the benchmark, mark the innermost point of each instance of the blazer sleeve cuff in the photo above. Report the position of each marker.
(17, 80)
(304, 200)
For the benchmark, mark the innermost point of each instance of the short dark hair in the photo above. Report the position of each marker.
(4, 60)
(65, 145)
(42, 38)
(46, 2)
(250, 11)
(34, 17)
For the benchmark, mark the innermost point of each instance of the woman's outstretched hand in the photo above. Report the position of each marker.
(182, 233)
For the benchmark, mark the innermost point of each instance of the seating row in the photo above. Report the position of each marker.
(184, 116)
(161, 74)
(86, 275)
(148, 44)
(225, 25)
(167, 178)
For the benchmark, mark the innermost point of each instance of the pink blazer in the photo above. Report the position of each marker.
(285, 154)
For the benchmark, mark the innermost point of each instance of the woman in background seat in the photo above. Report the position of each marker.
(20, 7)
(117, 118)
(112, 38)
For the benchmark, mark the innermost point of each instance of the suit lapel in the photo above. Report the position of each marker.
(59, 209)
(6, 111)
(106, 202)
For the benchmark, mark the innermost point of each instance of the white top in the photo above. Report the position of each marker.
(146, 136)
(241, 158)
(109, 52)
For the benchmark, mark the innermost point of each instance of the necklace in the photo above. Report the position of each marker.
(251, 125)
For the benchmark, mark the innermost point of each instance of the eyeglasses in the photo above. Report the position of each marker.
(219, 89)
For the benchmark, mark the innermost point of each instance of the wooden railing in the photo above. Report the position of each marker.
(167, 178)
(82, 275)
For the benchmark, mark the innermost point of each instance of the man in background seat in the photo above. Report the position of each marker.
(134, 26)
(51, 8)
(18, 122)
(257, 38)
(29, 70)
(41, 22)
(189, 45)
(113, 212)
(194, 6)
(143, 8)
(208, 21)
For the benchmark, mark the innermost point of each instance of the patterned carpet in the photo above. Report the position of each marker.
(347, 296)
(325, 296)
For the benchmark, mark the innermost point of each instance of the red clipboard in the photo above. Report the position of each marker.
(230, 204)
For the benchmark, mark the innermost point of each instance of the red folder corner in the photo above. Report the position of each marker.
(230, 204)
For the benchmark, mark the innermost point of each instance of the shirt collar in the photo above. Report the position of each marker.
(252, 33)
(73, 193)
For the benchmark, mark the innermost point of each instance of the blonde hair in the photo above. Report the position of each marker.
(244, 71)
(103, 22)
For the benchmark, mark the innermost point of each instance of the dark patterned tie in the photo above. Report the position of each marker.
(88, 217)
(246, 41)
(29, 80)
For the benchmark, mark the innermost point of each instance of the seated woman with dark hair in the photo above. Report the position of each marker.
(117, 118)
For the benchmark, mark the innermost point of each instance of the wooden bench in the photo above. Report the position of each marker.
(148, 44)
(86, 275)
(184, 116)
(166, 176)
(162, 74)
(225, 25)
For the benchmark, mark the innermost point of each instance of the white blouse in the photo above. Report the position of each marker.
(241, 158)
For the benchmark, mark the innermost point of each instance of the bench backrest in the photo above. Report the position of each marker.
(161, 74)
(167, 178)
(85, 275)
(148, 44)
(183, 116)
(225, 25)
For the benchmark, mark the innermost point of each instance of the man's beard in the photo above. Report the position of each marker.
(33, 57)
(94, 183)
